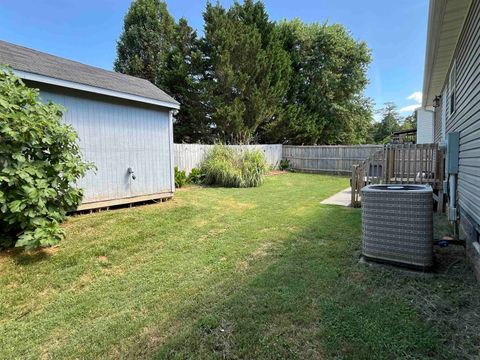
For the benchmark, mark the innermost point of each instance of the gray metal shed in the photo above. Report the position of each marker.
(123, 123)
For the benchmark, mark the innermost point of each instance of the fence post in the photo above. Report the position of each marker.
(385, 165)
(353, 184)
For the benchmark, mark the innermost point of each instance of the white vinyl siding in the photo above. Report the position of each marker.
(466, 117)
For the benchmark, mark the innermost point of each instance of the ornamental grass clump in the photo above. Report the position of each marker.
(232, 167)
(40, 161)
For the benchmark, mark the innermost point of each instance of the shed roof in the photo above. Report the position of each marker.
(38, 66)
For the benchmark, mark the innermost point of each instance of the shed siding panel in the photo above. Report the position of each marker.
(466, 118)
(115, 136)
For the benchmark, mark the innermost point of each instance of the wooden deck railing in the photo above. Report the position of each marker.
(399, 164)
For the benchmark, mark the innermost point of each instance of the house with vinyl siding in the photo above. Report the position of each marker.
(452, 87)
(124, 125)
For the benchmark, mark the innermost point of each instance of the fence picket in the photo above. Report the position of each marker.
(327, 158)
(400, 167)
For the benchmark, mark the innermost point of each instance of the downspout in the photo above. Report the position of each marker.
(453, 149)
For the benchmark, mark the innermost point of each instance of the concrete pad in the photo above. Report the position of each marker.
(342, 198)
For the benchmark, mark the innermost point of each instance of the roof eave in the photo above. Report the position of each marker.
(445, 23)
(93, 89)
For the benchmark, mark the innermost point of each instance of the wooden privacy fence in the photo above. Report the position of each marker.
(328, 158)
(189, 156)
(400, 164)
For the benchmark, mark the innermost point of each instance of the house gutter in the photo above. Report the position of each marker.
(436, 11)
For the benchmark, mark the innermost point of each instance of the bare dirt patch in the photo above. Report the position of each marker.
(277, 172)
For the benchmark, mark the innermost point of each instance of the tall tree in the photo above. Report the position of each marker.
(146, 39)
(410, 122)
(324, 104)
(154, 47)
(247, 70)
(181, 77)
(390, 123)
(250, 79)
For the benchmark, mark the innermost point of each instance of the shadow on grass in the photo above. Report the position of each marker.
(25, 258)
(312, 299)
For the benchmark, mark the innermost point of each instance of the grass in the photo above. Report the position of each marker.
(262, 272)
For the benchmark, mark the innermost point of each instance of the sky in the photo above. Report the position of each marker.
(87, 31)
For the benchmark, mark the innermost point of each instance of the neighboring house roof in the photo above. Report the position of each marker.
(445, 23)
(45, 68)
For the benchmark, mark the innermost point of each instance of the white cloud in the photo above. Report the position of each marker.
(410, 108)
(417, 96)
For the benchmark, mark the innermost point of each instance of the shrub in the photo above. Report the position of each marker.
(196, 176)
(254, 168)
(220, 167)
(40, 162)
(231, 167)
(180, 178)
(284, 164)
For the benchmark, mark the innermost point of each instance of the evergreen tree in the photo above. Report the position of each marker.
(390, 123)
(410, 122)
(181, 77)
(146, 39)
(154, 47)
(247, 70)
(250, 79)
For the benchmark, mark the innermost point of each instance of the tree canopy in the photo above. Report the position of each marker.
(390, 122)
(181, 77)
(247, 70)
(146, 39)
(324, 103)
(249, 79)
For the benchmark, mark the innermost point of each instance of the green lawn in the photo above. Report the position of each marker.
(231, 273)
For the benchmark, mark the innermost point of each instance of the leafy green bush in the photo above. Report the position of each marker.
(196, 176)
(231, 167)
(40, 162)
(284, 164)
(180, 178)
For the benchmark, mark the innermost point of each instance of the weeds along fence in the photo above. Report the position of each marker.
(189, 156)
(337, 159)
